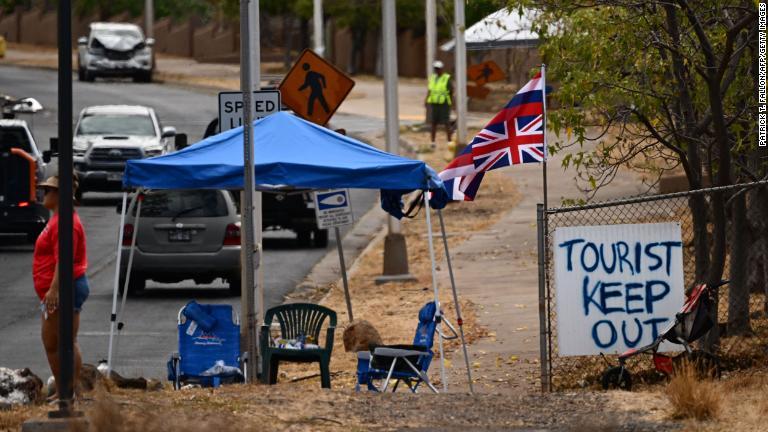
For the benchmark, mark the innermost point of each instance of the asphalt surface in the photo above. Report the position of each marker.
(149, 335)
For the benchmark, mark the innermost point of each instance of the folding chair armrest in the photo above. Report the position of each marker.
(395, 352)
(329, 337)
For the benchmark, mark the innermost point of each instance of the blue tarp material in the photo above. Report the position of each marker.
(290, 152)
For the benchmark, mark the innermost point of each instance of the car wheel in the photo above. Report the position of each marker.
(80, 74)
(321, 238)
(143, 77)
(235, 285)
(136, 284)
(304, 238)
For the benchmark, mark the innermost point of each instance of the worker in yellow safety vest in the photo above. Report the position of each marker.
(438, 100)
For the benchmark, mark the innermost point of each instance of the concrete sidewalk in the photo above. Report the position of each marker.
(498, 271)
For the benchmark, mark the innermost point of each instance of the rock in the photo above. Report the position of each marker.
(91, 376)
(19, 387)
(360, 335)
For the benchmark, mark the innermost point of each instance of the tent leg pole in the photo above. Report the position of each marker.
(343, 272)
(113, 315)
(459, 319)
(139, 199)
(434, 287)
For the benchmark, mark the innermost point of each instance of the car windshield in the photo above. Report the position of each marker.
(121, 33)
(183, 204)
(14, 137)
(113, 124)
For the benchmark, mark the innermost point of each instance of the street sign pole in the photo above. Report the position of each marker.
(317, 21)
(461, 76)
(247, 234)
(64, 380)
(431, 23)
(395, 252)
(149, 18)
(255, 62)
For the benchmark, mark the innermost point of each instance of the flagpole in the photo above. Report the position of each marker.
(544, 228)
(544, 128)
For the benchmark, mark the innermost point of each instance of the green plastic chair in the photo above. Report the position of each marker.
(297, 319)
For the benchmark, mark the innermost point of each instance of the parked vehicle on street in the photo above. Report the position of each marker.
(21, 167)
(183, 234)
(292, 210)
(106, 136)
(115, 49)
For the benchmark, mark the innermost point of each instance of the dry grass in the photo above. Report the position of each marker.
(693, 397)
(393, 308)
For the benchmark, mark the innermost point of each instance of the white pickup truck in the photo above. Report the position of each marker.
(108, 135)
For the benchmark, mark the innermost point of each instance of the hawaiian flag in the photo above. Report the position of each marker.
(514, 136)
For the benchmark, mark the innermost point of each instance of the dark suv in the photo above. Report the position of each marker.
(21, 168)
(292, 210)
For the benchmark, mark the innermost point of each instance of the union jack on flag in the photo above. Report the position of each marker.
(514, 136)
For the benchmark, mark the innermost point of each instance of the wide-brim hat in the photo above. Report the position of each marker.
(50, 183)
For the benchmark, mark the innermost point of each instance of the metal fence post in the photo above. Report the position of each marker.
(543, 328)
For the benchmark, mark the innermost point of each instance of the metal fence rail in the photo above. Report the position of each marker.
(558, 372)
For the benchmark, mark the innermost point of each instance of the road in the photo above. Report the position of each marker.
(150, 331)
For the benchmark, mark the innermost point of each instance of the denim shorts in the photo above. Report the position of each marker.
(81, 292)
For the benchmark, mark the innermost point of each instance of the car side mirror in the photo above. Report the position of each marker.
(180, 141)
(150, 41)
(168, 132)
(28, 105)
(47, 155)
(82, 40)
(54, 145)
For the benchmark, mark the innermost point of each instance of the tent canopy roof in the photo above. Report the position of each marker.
(501, 29)
(289, 152)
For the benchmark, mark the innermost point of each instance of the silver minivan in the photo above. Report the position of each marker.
(184, 234)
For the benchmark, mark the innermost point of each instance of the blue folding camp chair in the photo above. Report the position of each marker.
(209, 347)
(403, 363)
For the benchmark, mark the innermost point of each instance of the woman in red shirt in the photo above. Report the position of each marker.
(45, 273)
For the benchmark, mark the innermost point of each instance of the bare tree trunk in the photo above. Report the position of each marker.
(356, 53)
(738, 289)
(304, 33)
(287, 40)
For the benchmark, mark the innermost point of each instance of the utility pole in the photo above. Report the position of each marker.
(395, 252)
(431, 23)
(149, 18)
(247, 227)
(255, 61)
(317, 21)
(65, 381)
(461, 76)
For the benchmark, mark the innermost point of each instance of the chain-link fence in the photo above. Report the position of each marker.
(742, 312)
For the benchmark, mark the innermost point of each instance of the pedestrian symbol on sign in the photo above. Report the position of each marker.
(316, 83)
(314, 88)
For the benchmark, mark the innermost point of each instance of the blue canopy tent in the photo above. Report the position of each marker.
(290, 153)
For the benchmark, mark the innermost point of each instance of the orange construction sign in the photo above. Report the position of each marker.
(485, 72)
(314, 88)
